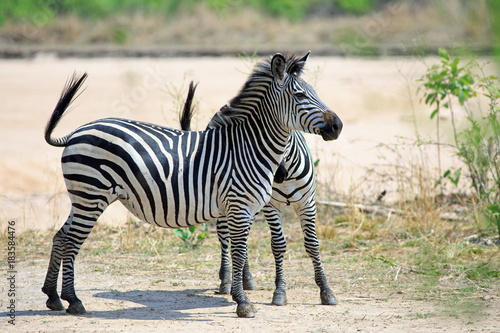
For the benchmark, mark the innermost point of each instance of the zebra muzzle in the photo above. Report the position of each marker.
(332, 127)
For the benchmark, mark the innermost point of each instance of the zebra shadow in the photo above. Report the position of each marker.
(188, 304)
(162, 304)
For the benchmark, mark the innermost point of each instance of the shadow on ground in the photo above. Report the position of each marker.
(186, 304)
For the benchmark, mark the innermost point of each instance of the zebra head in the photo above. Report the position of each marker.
(303, 110)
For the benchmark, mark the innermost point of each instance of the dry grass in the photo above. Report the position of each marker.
(404, 27)
(417, 248)
(361, 240)
(362, 255)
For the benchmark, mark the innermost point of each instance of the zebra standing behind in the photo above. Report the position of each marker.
(295, 185)
(172, 178)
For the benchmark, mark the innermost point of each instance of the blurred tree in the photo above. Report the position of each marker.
(356, 6)
(494, 11)
(96, 9)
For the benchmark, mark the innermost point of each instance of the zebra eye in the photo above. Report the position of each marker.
(300, 94)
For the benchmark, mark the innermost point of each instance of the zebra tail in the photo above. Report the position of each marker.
(187, 111)
(72, 86)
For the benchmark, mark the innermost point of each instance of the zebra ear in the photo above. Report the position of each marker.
(304, 58)
(278, 66)
(299, 65)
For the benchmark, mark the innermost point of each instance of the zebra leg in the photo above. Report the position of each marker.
(307, 214)
(278, 244)
(239, 227)
(86, 208)
(76, 236)
(248, 282)
(50, 284)
(225, 269)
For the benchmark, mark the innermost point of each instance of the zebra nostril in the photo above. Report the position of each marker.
(337, 125)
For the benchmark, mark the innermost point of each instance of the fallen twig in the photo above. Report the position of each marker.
(382, 211)
(397, 273)
(377, 210)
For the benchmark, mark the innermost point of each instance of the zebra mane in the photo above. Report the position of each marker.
(257, 84)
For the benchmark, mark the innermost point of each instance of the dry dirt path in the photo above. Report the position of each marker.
(152, 303)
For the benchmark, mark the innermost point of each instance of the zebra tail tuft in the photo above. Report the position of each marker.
(68, 95)
(187, 111)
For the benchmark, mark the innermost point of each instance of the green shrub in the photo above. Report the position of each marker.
(191, 237)
(477, 144)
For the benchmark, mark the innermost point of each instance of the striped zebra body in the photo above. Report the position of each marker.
(131, 161)
(298, 190)
(174, 179)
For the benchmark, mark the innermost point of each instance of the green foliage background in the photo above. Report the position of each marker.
(95, 9)
(494, 10)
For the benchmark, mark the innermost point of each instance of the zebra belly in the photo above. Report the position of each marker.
(172, 211)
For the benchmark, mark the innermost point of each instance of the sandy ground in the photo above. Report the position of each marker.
(370, 96)
(119, 303)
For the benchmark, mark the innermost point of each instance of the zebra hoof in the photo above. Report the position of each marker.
(76, 308)
(249, 285)
(55, 304)
(246, 310)
(279, 298)
(225, 289)
(328, 298)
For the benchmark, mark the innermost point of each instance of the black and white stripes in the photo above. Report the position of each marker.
(172, 178)
(296, 188)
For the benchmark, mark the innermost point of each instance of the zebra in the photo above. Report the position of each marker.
(295, 185)
(174, 179)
